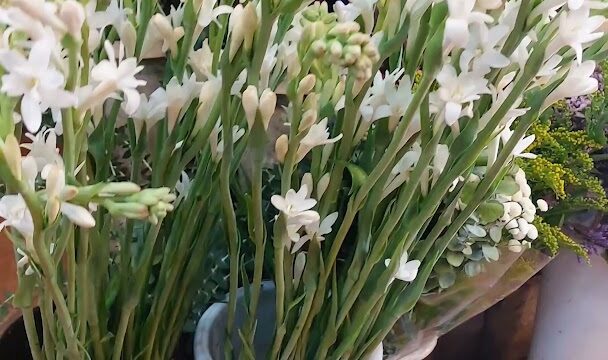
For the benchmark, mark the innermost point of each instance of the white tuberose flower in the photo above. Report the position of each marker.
(356, 8)
(316, 230)
(577, 29)
(578, 82)
(317, 135)
(407, 270)
(150, 111)
(34, 78)
(461, 14)
(208, 13)
(456, 91)
(58, 195)
(15, 213)
(115, 75)
(296, 206)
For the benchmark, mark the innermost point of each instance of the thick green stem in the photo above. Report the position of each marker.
(32, 333)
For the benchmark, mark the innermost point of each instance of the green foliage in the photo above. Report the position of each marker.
(564, 172)
(553, 239)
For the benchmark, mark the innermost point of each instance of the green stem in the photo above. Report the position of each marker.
(32, 333)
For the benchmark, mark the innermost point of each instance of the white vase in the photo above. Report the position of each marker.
(572, 315)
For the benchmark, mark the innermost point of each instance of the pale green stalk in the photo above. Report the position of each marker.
(32, 333)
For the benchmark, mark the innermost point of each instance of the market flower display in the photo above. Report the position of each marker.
(358, 156)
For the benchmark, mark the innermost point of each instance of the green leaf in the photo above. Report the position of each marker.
(25, 292)
(490, 252)
(472, 268)
(455, 259)
(468, 190)
(358, 175)
(447, 279)
(507, 186)
(490, 211)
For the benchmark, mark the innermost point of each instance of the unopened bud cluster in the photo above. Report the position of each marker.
(151, 204)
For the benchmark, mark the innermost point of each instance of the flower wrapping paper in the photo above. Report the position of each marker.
(438, 313)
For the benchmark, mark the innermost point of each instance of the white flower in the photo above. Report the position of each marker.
(43, 11)
(316, 136)
(521, 146)
(171, 35)
(461, 14)
(114, 14)
(296, 206)
(33, 78)
(356, 8)
(150, 111)
(456, 91)
(115, 75)
(16, 214)
(442, 153)
(316, 230)
(17, 20)
(201, 61)
(217, 147)
(407, 270)
(208, 13)
(58, 194)
(43, 148)
(182, 187)
(401, 171)
(484, 49)
(579, 81)
(577, 29)
(180, 96)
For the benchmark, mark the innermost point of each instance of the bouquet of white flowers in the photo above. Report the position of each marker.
(392, 127)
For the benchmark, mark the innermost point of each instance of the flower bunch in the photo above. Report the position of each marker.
(392, 127)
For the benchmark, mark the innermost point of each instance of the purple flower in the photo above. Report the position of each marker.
(599, 76)
(578, 104)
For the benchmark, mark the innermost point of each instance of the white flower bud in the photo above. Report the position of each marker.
(542, 205)
(250, 104)
(523, 225)
(268, 104)
(511, 225)
(12, 154)
(306, 84)
(308, 181)
(308, 119)
(72, 15)
(322, 185)
(243, 22)
(128, 35)
(532, 232)
(280, 147)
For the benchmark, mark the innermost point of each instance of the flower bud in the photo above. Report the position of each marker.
(128, 36)
(280, 147)
(72, 15)
(120, 188)
(307, 180)
(318, 48)
(308, 119)
(322, 185)
(243, 22)
(306, 84)
(268, 104)
(250, 104)
(12, 154)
